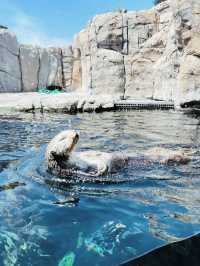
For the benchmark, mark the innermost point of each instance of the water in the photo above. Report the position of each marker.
(143, 208)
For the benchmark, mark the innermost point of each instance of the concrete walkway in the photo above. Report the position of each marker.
(73, 102)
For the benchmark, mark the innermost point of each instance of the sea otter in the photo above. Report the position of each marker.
(63, 161)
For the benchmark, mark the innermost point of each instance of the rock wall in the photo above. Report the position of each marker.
(10, 75)
(119, 50)
(151, 54)
(188, 83)
(42, 68)
(25, 68)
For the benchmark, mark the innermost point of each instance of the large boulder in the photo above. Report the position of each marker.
(83, 43)
(119, 50)
(76, 75)
(156, 52)
(108, 73)
(108, 31)
(189, 73)
(41, 67)
(44, 68)
(10, 75)
(55, 77)
(30, 66)
(139, 81)
(67, 64)
(177, 75)
(147, 43)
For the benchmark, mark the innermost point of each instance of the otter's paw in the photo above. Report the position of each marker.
(176, 157)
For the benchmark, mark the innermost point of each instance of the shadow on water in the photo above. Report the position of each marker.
(81, 222)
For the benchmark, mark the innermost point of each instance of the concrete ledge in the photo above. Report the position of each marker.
(73, 102)
(63, 102)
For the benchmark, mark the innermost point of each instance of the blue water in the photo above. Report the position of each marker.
(141, 209)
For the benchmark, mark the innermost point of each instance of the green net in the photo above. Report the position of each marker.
(46, 91)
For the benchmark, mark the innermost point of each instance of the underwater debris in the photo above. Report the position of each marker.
(12, 185)
(68, 260)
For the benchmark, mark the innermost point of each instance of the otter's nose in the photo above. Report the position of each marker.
(76, 137)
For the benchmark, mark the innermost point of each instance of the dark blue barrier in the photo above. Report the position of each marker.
(183, 253)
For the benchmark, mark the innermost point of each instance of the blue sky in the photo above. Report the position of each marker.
(54, 22)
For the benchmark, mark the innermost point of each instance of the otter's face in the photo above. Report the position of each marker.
(63, 143)
(74, 136)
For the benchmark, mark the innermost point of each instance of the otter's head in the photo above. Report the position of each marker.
(61, 145)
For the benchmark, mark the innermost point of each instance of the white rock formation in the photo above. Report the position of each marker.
(156, 51)
(67, 65)
(188, 83)
(10, 74)
(29, 58)
(107, 73)
(55, 68)
(40, 67)
(151, 54)
(76, 82)
(119, 50)
(26, 68)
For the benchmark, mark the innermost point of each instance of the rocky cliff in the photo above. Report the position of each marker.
(153, 54)
(10, 74)
(148, 54)
(26, 68)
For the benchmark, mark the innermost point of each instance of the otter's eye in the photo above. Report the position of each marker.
(53, 153)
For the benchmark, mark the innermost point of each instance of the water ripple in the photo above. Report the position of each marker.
(48, 221)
